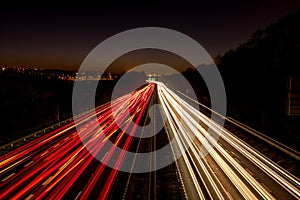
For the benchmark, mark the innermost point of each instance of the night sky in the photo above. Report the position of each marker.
(61, 35)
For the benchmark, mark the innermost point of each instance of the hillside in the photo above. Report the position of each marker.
(256, 75)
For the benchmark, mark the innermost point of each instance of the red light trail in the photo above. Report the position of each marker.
(54, 162)
(59, 164)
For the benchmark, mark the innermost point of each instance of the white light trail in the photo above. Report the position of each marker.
(189, 128)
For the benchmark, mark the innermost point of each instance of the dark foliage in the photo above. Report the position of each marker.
(255, 76)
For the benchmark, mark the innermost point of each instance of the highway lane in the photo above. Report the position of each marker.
(157, 184)
(52, 165)
(236, 164)
(281, 154)
(58, 164)
(138, 185)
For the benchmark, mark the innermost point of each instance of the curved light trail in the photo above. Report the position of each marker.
(191, 127)
(216, 164)
(49, 166)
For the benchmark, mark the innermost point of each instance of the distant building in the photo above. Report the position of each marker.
(293, 96)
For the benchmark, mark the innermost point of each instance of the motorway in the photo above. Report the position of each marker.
(58, 165)
(212, 162)
(220, 165)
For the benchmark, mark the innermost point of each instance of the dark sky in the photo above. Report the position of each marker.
(61, 35)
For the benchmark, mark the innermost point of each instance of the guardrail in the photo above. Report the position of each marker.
(288, 150)
(42, 131)
(35, 134)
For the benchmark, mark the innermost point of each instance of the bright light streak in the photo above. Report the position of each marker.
(187, 125)
(54, 162)
(59, 158)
